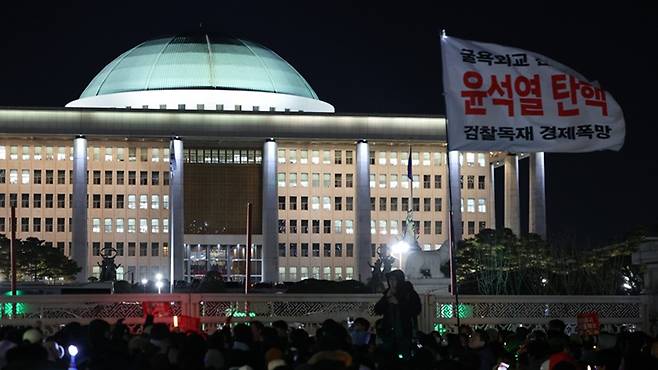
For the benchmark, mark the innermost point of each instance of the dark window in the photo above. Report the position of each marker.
(49, 201)
(155, 178)
(437, 181)
(471, 182)
(293, 226)
(416, 204)
(304, 249)
(25, 200)
(97, 177)
(316, 249)
(338, 203)
(481, 182)
(438, 205)
(427, 227)
(49, 176)
(338, 157)
(371, 156)
(282, 203)
(96, 201)
(120, 200)
(131, 249)
(143, 178)
(304, 203)
(349, 250)
(61, 221)
(326, 226)
(96, 248)
(36, 224)
(372, 203)
(25, 224)
(3, 176)
(120, 177)
(155, 249)
(338, 250)
(61, 177)
(427, 181)
(349, 180)
(292, 203)
(394, 204)
(282, 226)
(405, 204)
(108, 200)
(348, 157)
(108, 177)
(427, 204)
(471, 227)
(338, 180)
(165, 178)
(293, 249)
(120, 248)
(304, 226)
(349, 203)
(327, 250)
(143, 248)
(36, 200)
(282, 249)
(132, 178)
(316, 226)
(49, 225)
(481, 226)
(36, 177)
(61, 200)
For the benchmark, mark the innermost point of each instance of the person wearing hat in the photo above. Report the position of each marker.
(400, 305)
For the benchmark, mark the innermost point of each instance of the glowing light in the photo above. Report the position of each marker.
(144, 281)
(73, 350)
(175, 321)
(159, 284)
(400, 247)
(158, 276)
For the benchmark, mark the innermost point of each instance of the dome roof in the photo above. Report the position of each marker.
(199, 62)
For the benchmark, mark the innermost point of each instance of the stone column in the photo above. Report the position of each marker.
(79, 226)
(537, 196)
(270, 213)
(512, 203)
(455, 195)
(362, 211)
(492, 197)
(176, 210)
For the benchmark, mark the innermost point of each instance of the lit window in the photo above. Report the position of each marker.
(326, 203)
(404, 182)
(131, 225)
(26, 153)
(96, 225)
(349, 227)
(415, 158)
(108, 225)
(326, 157)
(393, 158)
(143, 225)
(338, 273)
(394, 227)
(3, 152)
(349, 273)
(394, 181)
(372, 181)
(315, 156)
(470, 205)
(132, 201)
(482, 206)
(315, 202)
(108, 154)
(143, 201)
(315, 180)
(326, 272)
(382, 158)
(292, 156)
(383, 229)
(165, 201)
(303, 156)
(416, 181)
(373, 227)
(25, 176)
(437, 159)
(13, 152)
(292, 179)
(292, 271)
(470, 159)
(382, 181)
(61, 153)
(281, 179)
(304, 180)
(338, 226)
(155, 154)
(119, 222)
(481, 160)
(155, 201)
(281, 156)
(155, 225)
(426, 159)
(326, 180)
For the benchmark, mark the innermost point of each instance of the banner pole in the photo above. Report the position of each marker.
(451, 226)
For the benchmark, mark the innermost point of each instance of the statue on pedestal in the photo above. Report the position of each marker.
(107, 265)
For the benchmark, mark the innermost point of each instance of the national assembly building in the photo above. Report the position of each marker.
(163, 150)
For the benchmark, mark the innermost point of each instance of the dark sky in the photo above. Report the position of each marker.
(382, 57)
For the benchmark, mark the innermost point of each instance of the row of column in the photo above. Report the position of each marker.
(270, 205)
(536, 194)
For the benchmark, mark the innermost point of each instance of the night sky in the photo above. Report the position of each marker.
(381, 57)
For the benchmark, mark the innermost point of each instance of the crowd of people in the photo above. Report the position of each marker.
(391, 343)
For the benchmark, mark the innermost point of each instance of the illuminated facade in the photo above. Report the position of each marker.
(169, 142)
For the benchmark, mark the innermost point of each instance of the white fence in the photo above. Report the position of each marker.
(310, 310)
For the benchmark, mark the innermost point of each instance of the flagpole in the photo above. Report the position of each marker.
(451, 225)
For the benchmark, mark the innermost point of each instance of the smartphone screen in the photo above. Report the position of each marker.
(503, 366)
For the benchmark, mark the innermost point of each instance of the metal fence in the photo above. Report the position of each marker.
(310, 310)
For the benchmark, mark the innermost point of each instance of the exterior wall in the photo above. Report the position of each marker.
(388, 185)
(110, 157)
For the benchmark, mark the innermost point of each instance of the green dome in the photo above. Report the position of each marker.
(199, 62)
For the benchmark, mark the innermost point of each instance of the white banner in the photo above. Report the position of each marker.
(508, 99)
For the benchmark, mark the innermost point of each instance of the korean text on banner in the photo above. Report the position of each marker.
(508, 99)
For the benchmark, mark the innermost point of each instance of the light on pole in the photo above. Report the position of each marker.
(144, 282)
(399, 248)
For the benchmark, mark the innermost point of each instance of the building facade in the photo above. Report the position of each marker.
(167, 145)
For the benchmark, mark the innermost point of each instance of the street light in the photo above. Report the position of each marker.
(73, 351)
(144, 282)
(159, 284)
(399, 248)
(158, 277)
